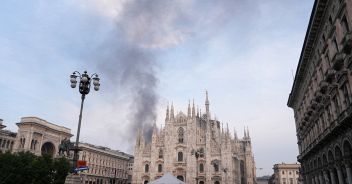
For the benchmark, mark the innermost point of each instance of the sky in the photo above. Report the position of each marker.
(151, 53)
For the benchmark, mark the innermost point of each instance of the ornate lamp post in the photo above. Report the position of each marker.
(84, 88)
(197, 153)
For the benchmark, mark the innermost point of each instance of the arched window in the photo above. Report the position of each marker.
(160, 168)
(146, 168)
(180, 156)
(160, 153)
(180, 135)
(201, 168)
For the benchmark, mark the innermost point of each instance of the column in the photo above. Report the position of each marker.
(316, 179)
(321, 180)
(332, 175)
(339, 174)
(349, 173)
(326, 178)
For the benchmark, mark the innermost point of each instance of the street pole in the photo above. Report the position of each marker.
(84, 88)
(75, 155)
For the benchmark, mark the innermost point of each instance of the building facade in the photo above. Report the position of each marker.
(39, 136)
(286, 174)
(321, 95)
(106, 166)
(7, 138)
(222, 158)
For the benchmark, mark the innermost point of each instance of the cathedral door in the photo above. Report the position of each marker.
(180, 178)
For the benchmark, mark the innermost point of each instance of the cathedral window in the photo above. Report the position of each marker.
(180, 135)
(180, 156)
(146, 168)
(201, 168)
(216, 167)
(160, 153)
(160, 168)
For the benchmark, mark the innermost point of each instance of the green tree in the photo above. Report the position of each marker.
(26, 168)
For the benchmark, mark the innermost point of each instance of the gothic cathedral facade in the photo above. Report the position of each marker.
(195, 149)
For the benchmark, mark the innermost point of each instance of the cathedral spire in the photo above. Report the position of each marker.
(227, 129)
(193, 110)
(172, 115)
(248, 132)
(235, 134)
(207, 105)
(244, 135)
(197, 111)
(189, 109)
(167, 118)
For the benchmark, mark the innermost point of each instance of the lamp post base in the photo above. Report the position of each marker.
(73, 179)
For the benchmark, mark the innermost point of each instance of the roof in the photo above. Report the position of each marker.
(308, 45)
(167, 179)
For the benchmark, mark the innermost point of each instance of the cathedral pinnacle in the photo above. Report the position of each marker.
(189, 109)
(172, 115)
(207, 105)
(167, 113)
(193, 110)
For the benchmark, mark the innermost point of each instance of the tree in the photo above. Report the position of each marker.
(26, 168)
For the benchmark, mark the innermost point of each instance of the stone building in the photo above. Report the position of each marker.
(39, 136)
(223, 158)
(286, 174)
(7, 138)
(106, 166)
(321, 95)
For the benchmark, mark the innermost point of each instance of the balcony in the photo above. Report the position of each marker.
(347, 43)
(338, 61)
(330, 75)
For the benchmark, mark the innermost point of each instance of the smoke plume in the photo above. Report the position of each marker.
(143, 29)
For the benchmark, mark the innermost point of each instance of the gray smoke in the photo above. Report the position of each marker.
(143, 29)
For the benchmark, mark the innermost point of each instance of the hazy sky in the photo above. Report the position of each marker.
(244, 52)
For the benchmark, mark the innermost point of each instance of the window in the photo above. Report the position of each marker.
(291, 180)
(160, 168)
(337, 108)
(283, 180)
(346, 95)
(216, 167)
(160, 153)
(180, 135)
(336, 47)
(283, 172)
(344, 25)
(201, 168)
(146, 168)
(180, 156)
(330, 20)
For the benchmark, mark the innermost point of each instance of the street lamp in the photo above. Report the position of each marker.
(84, 88)
(197, 153)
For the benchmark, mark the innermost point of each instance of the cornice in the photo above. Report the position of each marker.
(313, 30)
